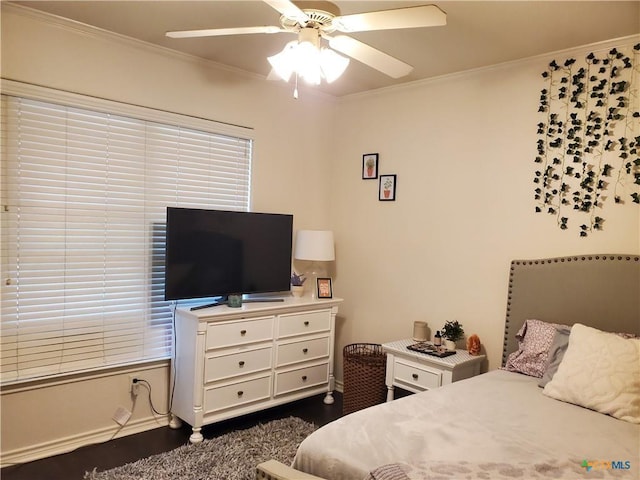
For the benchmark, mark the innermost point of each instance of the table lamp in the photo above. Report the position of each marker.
(315, 246)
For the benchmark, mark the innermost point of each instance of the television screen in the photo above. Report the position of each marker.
(212, 253)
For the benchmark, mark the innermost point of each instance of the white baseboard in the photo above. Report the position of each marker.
(339, 386)
(68, 444)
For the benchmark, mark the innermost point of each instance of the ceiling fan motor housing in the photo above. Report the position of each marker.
(310, 35)
(318, 20)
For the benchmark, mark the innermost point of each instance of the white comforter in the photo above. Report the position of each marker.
(496, 417)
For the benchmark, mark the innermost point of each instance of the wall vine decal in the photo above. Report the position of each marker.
(589, 139)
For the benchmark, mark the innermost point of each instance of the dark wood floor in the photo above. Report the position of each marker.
(73, 465)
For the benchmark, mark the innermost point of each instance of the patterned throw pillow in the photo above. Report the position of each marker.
(534, 340)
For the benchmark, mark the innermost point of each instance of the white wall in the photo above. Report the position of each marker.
(463, 149)
(290, 175)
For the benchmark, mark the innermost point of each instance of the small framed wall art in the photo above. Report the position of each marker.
(387, 188)
(324, 288)
(369, 166)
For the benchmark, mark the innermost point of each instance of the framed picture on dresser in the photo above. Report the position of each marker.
(324, 288)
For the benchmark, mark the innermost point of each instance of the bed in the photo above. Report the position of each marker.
(566, 403)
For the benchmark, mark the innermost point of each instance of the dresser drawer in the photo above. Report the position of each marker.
(302, 323)
(418, 376)
(301, 351)
(301, 378)
(238, 333)
(236, 394)
(217, 367)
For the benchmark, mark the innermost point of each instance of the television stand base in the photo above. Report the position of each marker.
(207, 305)
(246, 300)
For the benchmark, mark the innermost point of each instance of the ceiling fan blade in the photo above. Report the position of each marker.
(370, 56)
(289, 10)
(410, 17)
(216, 32)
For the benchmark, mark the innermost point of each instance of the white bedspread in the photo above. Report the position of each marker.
(496, 417)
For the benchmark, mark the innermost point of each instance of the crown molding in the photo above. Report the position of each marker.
(76, 27)
(596, 47)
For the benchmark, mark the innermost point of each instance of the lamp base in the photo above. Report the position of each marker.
(316, 271)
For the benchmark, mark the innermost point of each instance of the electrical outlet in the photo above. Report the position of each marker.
(134, 386)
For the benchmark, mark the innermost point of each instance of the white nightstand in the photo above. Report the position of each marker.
(417, 372)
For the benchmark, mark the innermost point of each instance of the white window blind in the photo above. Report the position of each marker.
(83, 230)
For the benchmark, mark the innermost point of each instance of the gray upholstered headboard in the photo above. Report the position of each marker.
(602, 291)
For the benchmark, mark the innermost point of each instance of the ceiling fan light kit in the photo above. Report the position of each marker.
(308, 60)
(312, 62)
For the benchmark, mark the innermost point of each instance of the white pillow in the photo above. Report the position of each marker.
(600, 371)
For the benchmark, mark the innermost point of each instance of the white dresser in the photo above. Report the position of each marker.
(232, 361)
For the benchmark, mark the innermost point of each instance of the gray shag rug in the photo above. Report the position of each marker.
(232, 456)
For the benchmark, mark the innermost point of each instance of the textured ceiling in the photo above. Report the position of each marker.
(477, 33)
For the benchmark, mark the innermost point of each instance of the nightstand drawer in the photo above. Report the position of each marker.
(302, 351)
(413, 375)
(217, 367)
(236, 394)
(238, 333)
(301, 378)
(303, 323)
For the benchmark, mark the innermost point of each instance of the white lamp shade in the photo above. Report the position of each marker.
(314, 245)
(307, 63)
(332, 64)
(284, 62)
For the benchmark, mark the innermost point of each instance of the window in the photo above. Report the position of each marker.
(85, 193)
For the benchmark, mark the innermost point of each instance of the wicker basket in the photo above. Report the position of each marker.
(364, 375)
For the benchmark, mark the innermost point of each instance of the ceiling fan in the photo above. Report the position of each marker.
(306, 56)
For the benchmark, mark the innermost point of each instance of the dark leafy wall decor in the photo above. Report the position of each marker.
(589, 137)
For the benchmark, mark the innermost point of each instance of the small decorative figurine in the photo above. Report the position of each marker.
(473, 344)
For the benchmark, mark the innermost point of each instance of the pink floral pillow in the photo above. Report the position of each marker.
(534, 340)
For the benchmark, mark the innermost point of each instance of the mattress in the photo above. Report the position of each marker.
(498, 416)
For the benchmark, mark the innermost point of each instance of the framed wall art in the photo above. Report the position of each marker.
(324, 288)
(387, 188)
(370, 166)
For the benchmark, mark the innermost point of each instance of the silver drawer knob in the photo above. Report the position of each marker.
(415, 376)
(305, 350)
(304, 378)
(241, 363)
(306, 324)
(240, 393)
(243, 332)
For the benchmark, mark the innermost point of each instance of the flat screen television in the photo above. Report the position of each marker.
(216, 253)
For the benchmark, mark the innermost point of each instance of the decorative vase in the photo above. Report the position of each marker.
(420, 332)
(450, 345)
(297, 290)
